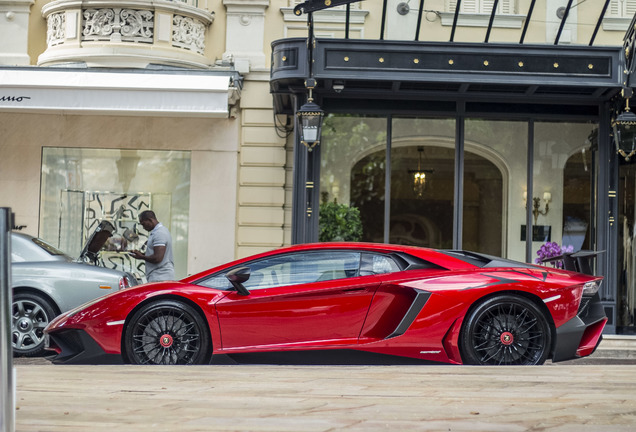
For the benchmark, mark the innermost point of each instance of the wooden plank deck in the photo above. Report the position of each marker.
(561, 397)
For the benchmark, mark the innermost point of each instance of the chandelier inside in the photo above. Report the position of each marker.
(419, 176)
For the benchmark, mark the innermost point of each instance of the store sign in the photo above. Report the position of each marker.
(13, 98)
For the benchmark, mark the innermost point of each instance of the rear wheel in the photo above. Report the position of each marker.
(167, 332)
(30, 315)
(505, 330)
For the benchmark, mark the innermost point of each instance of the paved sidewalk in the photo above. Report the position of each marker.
(326, 398)
(570, 396)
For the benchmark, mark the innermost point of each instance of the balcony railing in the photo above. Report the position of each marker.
(130, 33)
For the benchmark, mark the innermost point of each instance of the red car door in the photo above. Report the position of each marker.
(320, 313)
(328, 311)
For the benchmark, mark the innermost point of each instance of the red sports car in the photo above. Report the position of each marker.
(431, 305)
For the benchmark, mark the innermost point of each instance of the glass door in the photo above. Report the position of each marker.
(626, 313)
(495, 177)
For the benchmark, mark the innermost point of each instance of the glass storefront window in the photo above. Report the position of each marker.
(422, 182)
(494, 189)
(626, 310)
(562, 181)
(81, 187)
(495, 167)
(353, 164)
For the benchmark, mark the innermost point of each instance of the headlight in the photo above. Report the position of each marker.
(591, 288)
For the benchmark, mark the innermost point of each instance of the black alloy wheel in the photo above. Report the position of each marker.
(505, 330)
(167, 332)
(30, 315)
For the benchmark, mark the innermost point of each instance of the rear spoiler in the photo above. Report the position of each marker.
(580, 261)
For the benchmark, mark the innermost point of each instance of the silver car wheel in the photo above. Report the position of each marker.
(31, 314)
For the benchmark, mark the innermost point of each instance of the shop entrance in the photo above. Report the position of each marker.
(626, 302)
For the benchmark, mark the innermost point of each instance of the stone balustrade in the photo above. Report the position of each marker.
(129, 33)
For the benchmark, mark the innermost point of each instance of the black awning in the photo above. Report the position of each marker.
(445, 71)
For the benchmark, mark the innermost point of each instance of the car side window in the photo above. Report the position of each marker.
(294, 269)
(373, 264)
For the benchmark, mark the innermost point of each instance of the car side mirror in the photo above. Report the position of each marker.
(237, 276)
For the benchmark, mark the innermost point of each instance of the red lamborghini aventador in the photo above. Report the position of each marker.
(431, 305)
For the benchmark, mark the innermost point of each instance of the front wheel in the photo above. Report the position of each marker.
(505, 330)
(30, 315)
(167, 332)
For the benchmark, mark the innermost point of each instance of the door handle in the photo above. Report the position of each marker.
(351, 290)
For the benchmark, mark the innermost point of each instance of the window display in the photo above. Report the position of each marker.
(81, 187)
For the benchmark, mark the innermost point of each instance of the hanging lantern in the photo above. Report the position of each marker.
(310, 117)
(625, 133)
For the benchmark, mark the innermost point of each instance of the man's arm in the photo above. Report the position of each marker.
(155, 258)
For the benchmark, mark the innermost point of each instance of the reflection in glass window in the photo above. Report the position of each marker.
(577, 207)
(353, 164)
(294, 269)
(495, 177)
(562, 182)
(373, 264)
(422, 211)
(82, 186)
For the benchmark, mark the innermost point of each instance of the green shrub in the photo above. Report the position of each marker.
(339, 222)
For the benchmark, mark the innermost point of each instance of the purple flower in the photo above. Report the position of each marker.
(551, 250)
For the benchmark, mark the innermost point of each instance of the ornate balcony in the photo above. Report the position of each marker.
(129, 33)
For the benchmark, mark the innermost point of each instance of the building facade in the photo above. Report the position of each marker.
(188, 107)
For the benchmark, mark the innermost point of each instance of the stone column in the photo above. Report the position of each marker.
(245, 33)
(14, 32)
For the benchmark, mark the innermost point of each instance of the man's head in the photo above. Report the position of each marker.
(148, 219)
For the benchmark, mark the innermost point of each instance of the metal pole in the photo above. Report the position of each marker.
(7, 390)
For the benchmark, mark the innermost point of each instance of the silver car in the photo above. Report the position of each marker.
(47, 282)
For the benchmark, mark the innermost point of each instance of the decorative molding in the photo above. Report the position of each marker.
(616, 24)
(188, 33)
(117, 25)
(56, 29)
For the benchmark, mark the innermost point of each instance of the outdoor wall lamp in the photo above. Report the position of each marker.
(338, 86)
(624, 127)
(310, 117)
(536, 205)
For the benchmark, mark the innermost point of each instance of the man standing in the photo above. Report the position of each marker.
(158, 256)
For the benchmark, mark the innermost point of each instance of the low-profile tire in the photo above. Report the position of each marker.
(505, 330)
(167, 332)
(31, 313)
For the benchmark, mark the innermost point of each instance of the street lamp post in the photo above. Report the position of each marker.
(308, 128)
(7, 386)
